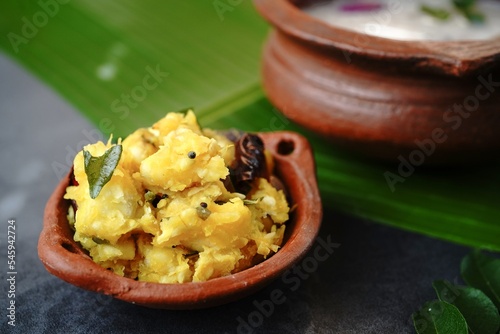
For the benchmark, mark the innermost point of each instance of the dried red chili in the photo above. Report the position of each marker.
(250, 162)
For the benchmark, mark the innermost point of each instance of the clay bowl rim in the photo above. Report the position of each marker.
(294, 162)
(455, 58)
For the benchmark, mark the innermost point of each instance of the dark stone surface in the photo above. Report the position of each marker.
(371, 283)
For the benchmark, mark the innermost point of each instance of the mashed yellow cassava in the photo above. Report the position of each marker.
(166, 215)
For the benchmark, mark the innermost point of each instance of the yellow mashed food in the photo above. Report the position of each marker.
(166, 215)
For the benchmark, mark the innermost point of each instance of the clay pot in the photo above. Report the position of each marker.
(383, 97)
(65, 259)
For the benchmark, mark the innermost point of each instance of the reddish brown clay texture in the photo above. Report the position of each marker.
(382, 97)
(295, 166)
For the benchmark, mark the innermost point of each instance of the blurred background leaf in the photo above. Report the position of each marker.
(124, 64)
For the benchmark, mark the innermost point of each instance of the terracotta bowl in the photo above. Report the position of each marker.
(65, 259)
(383, 97)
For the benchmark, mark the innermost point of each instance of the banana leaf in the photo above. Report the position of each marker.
(124, 64)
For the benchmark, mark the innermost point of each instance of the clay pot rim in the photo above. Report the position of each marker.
(455, 58)
(65, 259)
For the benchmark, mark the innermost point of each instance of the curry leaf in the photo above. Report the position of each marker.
(438, 13)
(468, 10)
(100, 169)
(464, 3)
(474, 16)
(477, 309)
(482, 272)
(439, 317)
